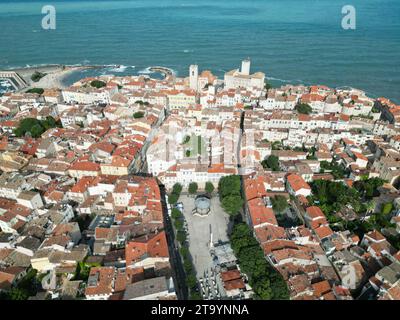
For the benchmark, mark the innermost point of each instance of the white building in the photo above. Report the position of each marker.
(243, 79)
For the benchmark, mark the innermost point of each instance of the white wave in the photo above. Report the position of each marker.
(188, 51)
(284, 80)
(277, 79)
(116, 68)
(146, 71)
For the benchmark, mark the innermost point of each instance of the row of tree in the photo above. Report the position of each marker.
(192, 189)
(181, 236)
(174, 195)
(266, 282)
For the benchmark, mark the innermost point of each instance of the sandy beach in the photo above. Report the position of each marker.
(54, 78)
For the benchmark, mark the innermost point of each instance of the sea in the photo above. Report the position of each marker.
(292, 41)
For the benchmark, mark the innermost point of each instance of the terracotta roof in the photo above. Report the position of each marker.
(260, 214)
(297, 182)
(230, 275)
(323, 232)
(103, 284)
(315, 212)
(321, 288)
(152, 246)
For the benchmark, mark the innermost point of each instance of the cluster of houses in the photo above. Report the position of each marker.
(81, 204)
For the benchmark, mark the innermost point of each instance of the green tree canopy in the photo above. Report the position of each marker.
(176, 213)
(34, 127)
(387, 208)
(337, 170)
(177, 188)
(98, 84)
(272, 162)
(303, 108)
(279, 203)
(232, 204)
(138, 114)
(266, 282)
(181, 236)
(173, 198)
(193, 188)
(229, 185)
(209, 187)
(36, 76)
(178, 224)
(35, 90)
(368, 188)
(191, 280)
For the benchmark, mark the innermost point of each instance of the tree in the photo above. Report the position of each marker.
(241, 238)
(50, 122)
(387, 208)
(36, 90)
(195, 296)
(191, 280)
(266, 282)
(272, 162)
(34, 127)
(177, 188)
(368, 188)
(232, 204)
(17, 294)
(98, 84)
(279, 203)
(336, 169)
(229, 185)
(173, 198)
(303, 108)
(184, 251)
(29, 283)
(138, 115)
(209, 187)
(178, 224)
(36, 76)
(181, 236)
(263, 289)
(193, 188)
(36, 131)
(187, 265)
(176, 213)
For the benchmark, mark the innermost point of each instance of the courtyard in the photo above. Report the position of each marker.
(200, 229)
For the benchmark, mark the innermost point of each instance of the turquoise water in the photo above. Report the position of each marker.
(290, 40)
